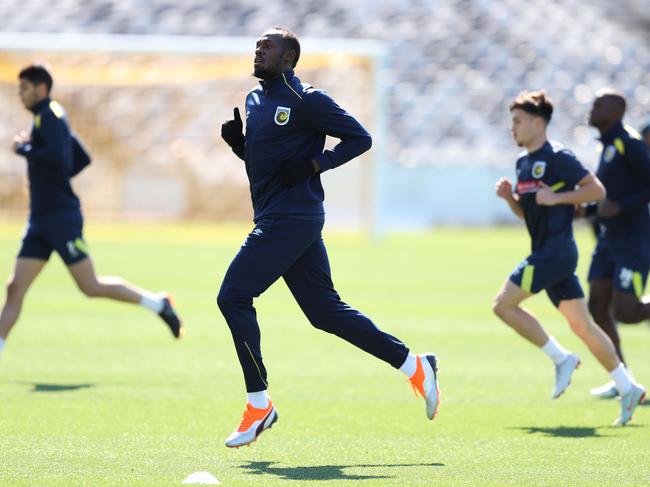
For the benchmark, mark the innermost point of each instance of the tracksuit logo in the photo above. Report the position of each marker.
(539, 168)
(77, 247)
(282, 115)
(257, 232)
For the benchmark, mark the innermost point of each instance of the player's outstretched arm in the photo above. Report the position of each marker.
(326, 116)
(504, 190)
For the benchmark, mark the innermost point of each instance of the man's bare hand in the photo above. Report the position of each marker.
(545, 196)
(504, 188)
(21, 139)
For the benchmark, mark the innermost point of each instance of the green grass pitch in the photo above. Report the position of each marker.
(98, 393)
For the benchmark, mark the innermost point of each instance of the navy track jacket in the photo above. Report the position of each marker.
(54, 155)
(286, 122)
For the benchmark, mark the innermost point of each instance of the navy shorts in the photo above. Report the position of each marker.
(626, 263)
(61, 231)
(552, 271)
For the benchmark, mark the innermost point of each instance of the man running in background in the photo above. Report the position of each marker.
(620, 262)
(550, 182)
(54, 155)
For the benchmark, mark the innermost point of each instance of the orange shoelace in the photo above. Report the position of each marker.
(251, 415)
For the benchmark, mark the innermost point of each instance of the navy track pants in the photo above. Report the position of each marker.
(294, 250)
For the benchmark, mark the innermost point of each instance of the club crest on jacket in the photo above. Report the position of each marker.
(282, 115)
(539, 168)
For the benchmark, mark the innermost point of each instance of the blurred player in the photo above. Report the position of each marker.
(550, 181)
(286, 125)
(620, 263)
(54, 156)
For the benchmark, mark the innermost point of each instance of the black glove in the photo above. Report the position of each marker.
(23, 149)
(293, 173)
(231, 132)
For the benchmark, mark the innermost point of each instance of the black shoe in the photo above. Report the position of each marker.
(169, 316)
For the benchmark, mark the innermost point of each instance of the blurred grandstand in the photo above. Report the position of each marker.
(453, 65)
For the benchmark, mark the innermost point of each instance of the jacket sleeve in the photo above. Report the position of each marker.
(80, 157)
(637, 158)
(54, 133)
(325, 116)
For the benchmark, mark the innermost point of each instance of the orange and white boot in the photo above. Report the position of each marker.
(425, 382)
(253, 422)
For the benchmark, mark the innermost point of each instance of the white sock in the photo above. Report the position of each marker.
(622, 378)
(2, 343)
(154, 302)
(259, 400)
(556, 352)
(410, 365)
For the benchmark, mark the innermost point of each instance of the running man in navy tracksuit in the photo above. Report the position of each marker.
(54, 155)
(286, 125)
(621, 260)
(550, 181)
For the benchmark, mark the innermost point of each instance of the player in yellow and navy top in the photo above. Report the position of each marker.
(54, 155)
(283, 150)
(621, 260)
(550, 182)
(555, 167)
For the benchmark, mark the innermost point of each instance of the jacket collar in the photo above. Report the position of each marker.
(41, 105)
(544, 147)
(277, 82)
(612, 133)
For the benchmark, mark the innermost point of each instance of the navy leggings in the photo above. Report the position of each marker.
(294, 250)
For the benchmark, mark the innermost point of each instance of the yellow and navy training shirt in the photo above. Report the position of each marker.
(54, 155)
(624, 169)
(559, 169)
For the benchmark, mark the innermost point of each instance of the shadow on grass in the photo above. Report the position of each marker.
(44, 387)
(323, 472)
(564, 432)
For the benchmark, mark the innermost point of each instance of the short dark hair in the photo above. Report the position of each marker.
(290, 41)
(37, 74)
(535, 103)
(615, 97)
